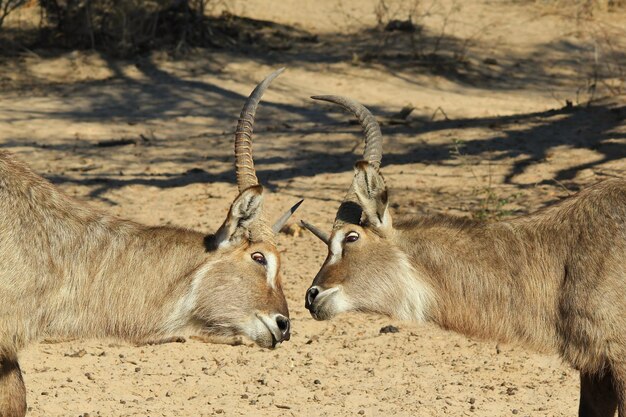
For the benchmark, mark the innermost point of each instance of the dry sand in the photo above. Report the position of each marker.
(503, 144)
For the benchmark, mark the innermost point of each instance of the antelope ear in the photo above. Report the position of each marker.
(369, 186)
(244, 211)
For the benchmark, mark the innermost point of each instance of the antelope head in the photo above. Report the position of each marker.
(240, 292)
(365, 269)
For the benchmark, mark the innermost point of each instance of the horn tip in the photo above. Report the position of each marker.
(276, 73)
(315, 231)
(321, 97)
(295, 206)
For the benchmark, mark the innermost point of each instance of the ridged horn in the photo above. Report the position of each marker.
(373, 152)
(283, 219)
(244, 165)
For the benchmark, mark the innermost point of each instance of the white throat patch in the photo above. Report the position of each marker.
(183, 307)
(418, 294)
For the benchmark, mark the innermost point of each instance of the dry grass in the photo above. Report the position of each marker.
(581, 7)
(602, 64)
(7, 7)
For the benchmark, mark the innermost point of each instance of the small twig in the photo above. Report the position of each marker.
(29, 51)
(92, 38)
(560, 184)
(608, 174)
(439, 109)
(553, 95)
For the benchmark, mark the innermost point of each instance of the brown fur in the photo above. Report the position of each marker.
(553, 281)
(70, 271)
(12, 390)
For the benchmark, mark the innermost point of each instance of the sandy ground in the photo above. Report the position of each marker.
(490, 137)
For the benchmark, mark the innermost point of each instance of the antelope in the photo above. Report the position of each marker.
(71, 271)
(553, 281)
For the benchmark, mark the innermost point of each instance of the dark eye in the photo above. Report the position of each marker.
(258, 257)
(352, 237)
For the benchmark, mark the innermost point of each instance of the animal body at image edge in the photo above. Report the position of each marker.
(553, 281)
(70, 271)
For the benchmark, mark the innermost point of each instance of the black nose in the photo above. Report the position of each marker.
(283, 326)
(310, 297)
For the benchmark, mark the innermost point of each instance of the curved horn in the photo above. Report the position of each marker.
(246, 174)
(317, 232)
(373, 152)
(283, 219)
